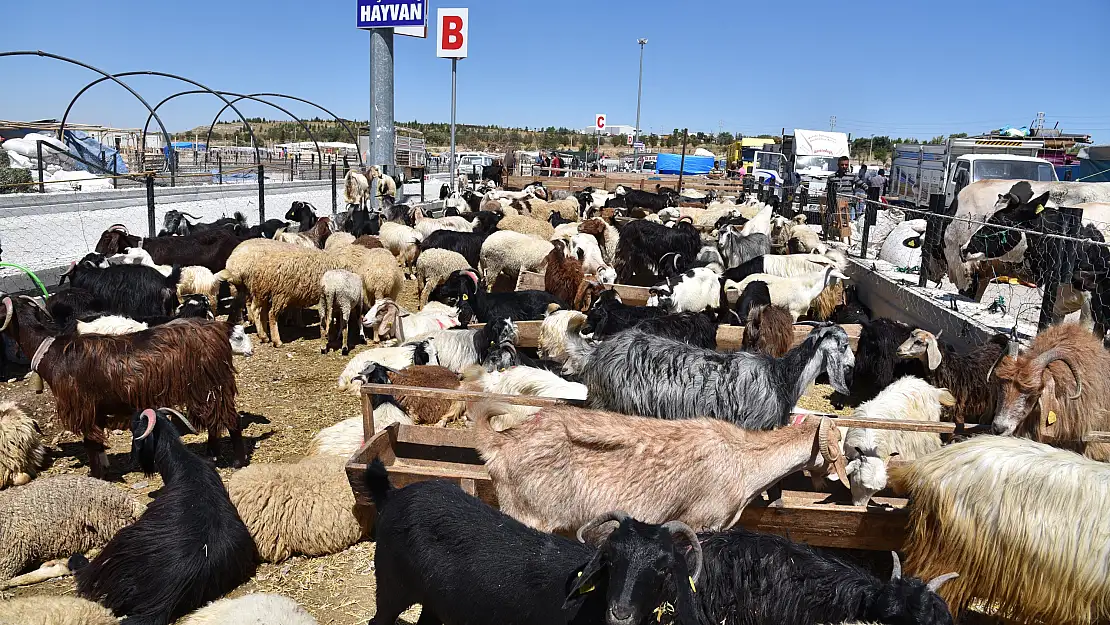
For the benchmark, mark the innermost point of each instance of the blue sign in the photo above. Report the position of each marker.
(390, 13)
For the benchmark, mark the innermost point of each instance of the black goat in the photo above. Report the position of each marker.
(493, 172)
(210, 248)
(304, 214)
(490, 568)
(134, 291)
(610, 315)
(495, 344)
(852, 310)
(267, 229)
(485, 222)
(515, 305)
(655, 202)
(467, 244)
(877, 360)
(360, 222)
(693, 328)
(643, 243)
(175, 223)
(187, 549)
(755, 295)
(557, 220)
(195, 306)
(67, 305)
(751, 578)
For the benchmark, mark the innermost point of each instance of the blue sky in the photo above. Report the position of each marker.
(899, 68)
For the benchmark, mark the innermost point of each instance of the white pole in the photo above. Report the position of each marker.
(599, 150)
(454, 63)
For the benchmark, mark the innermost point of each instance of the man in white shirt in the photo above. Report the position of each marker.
(876, 184)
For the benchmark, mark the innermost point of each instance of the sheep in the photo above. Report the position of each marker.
(54, 611)
(769, 330)
(427, 225)
(22, 454)
(526, 225)
(414, 353)
(496, 570)
(342, 301)
(763, 579)
(185, 362)
(868, 450)
(199, 281)
(805, 241)
(967, 376)
(367, 241)
(387, 320)
(190, 544)
(294, 238)
(564, 232)
(356, 188)
(467, 244)
(1041, 402)
(693, 291)
(1009, 515)
(516, 306)
(304, 508)
(433, 267)
(254, 608)
(131, 290)
(138, 256)
(563, 277)
(402, 240)
(111, 324)
(340, 239)
(794, 294)
(608, 237)
(737, 249)
(637, 373)
(510, 253)
(426, 410)
(56, 517)
(209, 248)
(642, 243)
(703, 472)
(522, 380)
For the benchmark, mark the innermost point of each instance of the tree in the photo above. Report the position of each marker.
(618, 141)
(652, 140)
(724, 138)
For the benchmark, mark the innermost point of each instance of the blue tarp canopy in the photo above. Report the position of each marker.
(188, 145)
(93, 151)
(669, 164)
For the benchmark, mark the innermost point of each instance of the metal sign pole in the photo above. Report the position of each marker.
(454, 65)
(598, 150)
(381, 100)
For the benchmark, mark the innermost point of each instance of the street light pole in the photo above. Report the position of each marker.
(870, 148)
(639, 92)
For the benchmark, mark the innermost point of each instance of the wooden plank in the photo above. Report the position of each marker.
(461, 395)
(630, 295)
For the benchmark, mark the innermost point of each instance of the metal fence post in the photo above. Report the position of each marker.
(115, 172)
(1062, 254)
(261, 194)
(150, 204)
(38, 149)
(334, 192)
(869, 217)
(422, 176)
(682, 161)
(220, 164)
(934, 224)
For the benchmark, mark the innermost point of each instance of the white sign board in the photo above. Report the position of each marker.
(629, 139)
(451, 33)
(599, 121)
(820, 143)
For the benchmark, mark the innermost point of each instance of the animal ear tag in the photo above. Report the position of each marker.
(1040, 209)
(1051, 418)
(465, 297)
(585, 589)
(692, 588)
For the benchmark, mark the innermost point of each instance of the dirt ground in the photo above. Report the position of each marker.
(286, 395)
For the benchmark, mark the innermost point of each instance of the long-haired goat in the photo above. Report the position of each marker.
(769, 330)
(877, 360)
(210, 248)
(1023, 523)
(494, 569)
(700, 471)
(564, 276)
(1057, 391)
(643, 243)
(637, 373)
(135, 291)
(187, 549)
(97, 379)
(965, 375)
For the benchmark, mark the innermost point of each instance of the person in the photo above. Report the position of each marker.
(876, 184)
(1067, 175)
(861, 190)
(556, 163)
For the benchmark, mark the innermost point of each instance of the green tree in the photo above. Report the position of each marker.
(724, 138)
(618, 141)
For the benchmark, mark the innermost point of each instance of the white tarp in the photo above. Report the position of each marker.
(820, 143)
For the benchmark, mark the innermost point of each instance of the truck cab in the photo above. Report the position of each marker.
(975, 167)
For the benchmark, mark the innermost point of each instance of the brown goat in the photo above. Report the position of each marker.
(770, 330)
(369, 241)
(702, 472)
(1057, 391)
(564, 276)
(824, 305)
(319, 233)
(101, 380)
(426, 410)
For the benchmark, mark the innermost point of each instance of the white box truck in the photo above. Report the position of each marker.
(810, 154)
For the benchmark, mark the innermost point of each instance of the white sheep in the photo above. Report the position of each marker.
(427, 225)
(387, 320)
(433, 267)
(111, 324)
(342, 298)
(511, 253)
(196, 280)
(49, 610)
(868, 450)
(252, 609)
(338, 240)
(56, 517)
(401, 240)
(805, 240)
(138, 256)
(795, 293)
(340, 440)
(416, 352)
(564, 232)
(22, 454)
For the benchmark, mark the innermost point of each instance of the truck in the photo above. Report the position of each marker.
(919, 170)
(409, 151)
(810, 155)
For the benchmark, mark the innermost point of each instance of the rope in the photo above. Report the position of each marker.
(30, 274)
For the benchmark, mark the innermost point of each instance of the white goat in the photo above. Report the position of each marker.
(138, 256)
(795, 293)
(693, 291)
(387, 319)
(421, 353)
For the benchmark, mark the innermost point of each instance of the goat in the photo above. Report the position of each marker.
(563, 276)
(610, 315)
(637, 373)
(712, 469)
(187, 549)
(737, 249)
(95, 378)
(131, 290)
(967, 376)
(755, 295)
(500, 571)
(303, 213)
(516, 305)
(67, 305)
(794, 294)
(693, 291)
(209, 249)
(696, 329)
(782, 266)
(877, 360)
(387, 320)
(356, 188)
(769, 331)
(467, 244)
(1041, 402)
(643, 243)
(655, 202)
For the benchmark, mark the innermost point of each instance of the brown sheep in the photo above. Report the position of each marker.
(770, 330)
(564, 276)
(426, 410)
(369, 241)
(824, 305)
(1057, 391)
(527, 225)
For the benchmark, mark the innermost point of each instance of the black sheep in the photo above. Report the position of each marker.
(694, 328)
(751, 578)
(467, 244)
(134, 291)
(490, 568)
(643, 243)
(187, 549)
(610, 315)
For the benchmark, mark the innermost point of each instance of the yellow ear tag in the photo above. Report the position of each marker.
(1051, 417)
(912, 243)
(465, 297)
(585, 589)
(1013, 281)
(1040, 209)
(692, 588)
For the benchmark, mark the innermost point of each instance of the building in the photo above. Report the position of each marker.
(610, 130)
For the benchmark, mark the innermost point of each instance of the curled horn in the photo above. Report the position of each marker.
(182, 419)
(150, 417)
(678, 528)
(189, 215)
(593, 524)
(34, 302)
(8, 308)
(897, 572)
(1052, 355)
(938, 581)
(1011, 351)
(828, 437)
(118, 228)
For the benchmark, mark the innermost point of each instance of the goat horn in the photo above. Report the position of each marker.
(7, 313)
(897, 572)
(830, 448)
(181, 417)
(34, 302)
(151, 417)
(1052, 355)
(118, 228)
(938, 581)
(593, 524)
(190, 215)
(681, 529)
(1011, 351)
